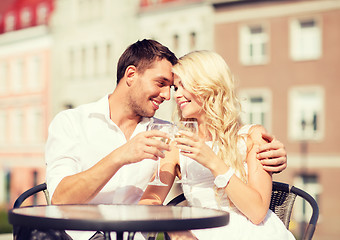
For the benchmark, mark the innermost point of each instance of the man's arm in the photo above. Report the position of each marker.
(83, 186)
(67, 182)
(272, 155)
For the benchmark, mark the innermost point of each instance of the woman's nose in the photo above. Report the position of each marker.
(176, 94)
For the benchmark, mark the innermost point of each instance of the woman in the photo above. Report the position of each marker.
(222, 169)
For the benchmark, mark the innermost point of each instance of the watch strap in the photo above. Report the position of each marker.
(221, 181)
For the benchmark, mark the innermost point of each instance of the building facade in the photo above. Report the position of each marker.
(285, 57)
(89, 38)
(25, 53)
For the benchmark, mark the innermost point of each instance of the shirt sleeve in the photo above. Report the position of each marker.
(62, 149)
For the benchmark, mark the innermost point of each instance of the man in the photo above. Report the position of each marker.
(101, 152)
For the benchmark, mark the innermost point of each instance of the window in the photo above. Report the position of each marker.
(34, 69)
(193, 40)
(10, 22)
(101, 59)
(77, 62)
(18, 75)
(310, 184)
(3, 77)
(90, 61)
(108, 58)
(3, 192)
(8, 185)
(17, 129)
(175, 40)
(3, 127)
(306, 113)
(35, 183)
(254, 44)
(90, 10)
(83, 59)
(95, 58)
(256, 106)
(71, 61)
(26, 17)
(97, 8)
(42, 11)
(35, 123)
(83, 10)
(305, 39)
(154, 1)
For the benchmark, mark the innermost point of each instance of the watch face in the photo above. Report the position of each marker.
(220, 181)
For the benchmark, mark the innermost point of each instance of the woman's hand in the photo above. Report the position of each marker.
(195, 148)
(272, 155)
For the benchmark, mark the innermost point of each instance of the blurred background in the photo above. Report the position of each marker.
(285, 56)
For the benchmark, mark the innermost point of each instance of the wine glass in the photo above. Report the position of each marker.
(190, 126)
(164, 127)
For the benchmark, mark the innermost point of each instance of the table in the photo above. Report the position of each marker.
(117, 218)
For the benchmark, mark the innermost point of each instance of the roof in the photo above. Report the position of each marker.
(6, 5)
(15, 6)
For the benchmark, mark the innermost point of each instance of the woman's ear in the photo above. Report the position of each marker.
(130, 74)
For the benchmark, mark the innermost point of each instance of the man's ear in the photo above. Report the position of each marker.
(130, 74)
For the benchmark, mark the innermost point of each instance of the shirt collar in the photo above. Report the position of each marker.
(101, 108)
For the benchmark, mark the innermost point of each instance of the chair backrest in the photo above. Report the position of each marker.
(281, 203)
(30, 192)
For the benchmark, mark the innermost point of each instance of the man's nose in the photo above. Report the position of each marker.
(166, 93)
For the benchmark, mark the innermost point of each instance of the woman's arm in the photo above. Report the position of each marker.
(155, 195)
(253, 198)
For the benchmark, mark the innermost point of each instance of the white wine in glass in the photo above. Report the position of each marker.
(164, 127)
(189, 126)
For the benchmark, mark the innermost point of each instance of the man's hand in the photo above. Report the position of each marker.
(144, 146)
(272, 155)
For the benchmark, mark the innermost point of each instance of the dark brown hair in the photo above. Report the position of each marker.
(142, 54)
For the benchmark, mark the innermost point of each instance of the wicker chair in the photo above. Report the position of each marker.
(282, 202)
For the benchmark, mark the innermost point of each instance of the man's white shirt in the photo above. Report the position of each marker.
(78, 139)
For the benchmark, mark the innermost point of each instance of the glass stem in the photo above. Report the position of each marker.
(185, 168)
(158, 168)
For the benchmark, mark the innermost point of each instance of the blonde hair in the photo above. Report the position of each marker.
(207, 75)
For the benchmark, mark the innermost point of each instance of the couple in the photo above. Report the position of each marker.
(95, 153)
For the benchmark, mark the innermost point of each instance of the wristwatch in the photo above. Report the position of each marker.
(221, 181)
